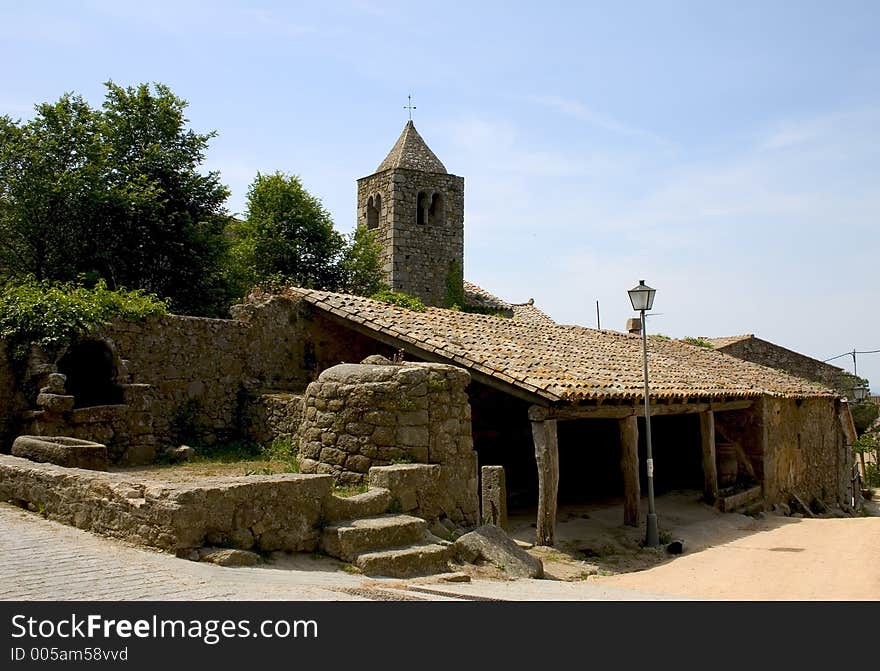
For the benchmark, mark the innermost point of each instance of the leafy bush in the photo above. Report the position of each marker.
(399, 299)
(52, 315)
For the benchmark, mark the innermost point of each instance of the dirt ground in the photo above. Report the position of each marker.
(193, 471)
(727, 556)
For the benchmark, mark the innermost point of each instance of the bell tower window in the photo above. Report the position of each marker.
(374, 209)
(423, 207)
(436, 213)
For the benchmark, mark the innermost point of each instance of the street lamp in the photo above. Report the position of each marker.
(860, 393)
(642, 299)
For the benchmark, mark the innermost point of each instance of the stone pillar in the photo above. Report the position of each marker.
(547, 458)
(629, 466)
(493, 496)
(710, 468)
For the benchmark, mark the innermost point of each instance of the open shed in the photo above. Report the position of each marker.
(583, 388)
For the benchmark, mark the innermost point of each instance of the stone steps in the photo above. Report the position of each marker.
(420, 559)
(373, 502)
(351, 538)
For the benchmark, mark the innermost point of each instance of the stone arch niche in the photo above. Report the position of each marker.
(91, 372)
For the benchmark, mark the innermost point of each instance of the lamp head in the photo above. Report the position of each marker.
(642, 296)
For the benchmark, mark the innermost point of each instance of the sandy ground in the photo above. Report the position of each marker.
(806, 559)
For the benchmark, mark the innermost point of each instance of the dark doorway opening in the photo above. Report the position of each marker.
(677, 451)
(589, 461)
(503, 437)
(90, 373)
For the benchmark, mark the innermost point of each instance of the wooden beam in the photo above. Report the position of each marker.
(629, 466)
(547, 459)
(710, 468)
(637, 408)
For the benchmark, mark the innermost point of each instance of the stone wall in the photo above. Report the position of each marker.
(360, 416)
(266, 513)
(806, 453)
(773, 356)
(417, 257)
(274, 416)
(189, 379)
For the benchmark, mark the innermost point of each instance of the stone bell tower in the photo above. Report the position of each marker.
(417, 211)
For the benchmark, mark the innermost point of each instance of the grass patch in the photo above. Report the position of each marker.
(279, 456)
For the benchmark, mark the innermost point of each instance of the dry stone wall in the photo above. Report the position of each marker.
(274, 416)
(189, 379)
(773, 356)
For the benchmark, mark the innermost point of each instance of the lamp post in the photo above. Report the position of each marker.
(642, 299)
(860, 393)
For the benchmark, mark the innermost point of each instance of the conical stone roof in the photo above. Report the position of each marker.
(411, 152)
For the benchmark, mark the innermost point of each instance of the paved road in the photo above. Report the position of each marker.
(44, 560)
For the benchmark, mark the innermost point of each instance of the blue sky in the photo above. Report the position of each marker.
(724, 152)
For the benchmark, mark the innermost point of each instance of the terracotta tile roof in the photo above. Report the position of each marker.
(563, 363)
(718, 343)
(479, 297)
(411, 152)
(476, 296)
(529, 312)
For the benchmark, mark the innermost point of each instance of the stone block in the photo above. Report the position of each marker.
(55, 384)
(55, 402)
(494, 496)
(415, 436)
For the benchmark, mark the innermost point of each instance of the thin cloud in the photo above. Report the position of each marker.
(581, 112)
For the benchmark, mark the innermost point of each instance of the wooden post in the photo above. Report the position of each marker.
(547, 458)
(710, 468)
(629, 465)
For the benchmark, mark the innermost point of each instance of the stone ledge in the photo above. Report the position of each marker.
(272, 512)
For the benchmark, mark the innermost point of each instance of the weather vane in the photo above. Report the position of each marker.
(409, 107)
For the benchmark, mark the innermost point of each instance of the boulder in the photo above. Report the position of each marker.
(62, 451)
(182, 453)
(228, 556)
(493, 545)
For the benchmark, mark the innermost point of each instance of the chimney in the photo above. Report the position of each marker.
(634, 326)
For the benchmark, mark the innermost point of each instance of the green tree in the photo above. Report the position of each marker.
(115, 193)
(361, 264)
(288, 236)
(50, 184)
(864, 415)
